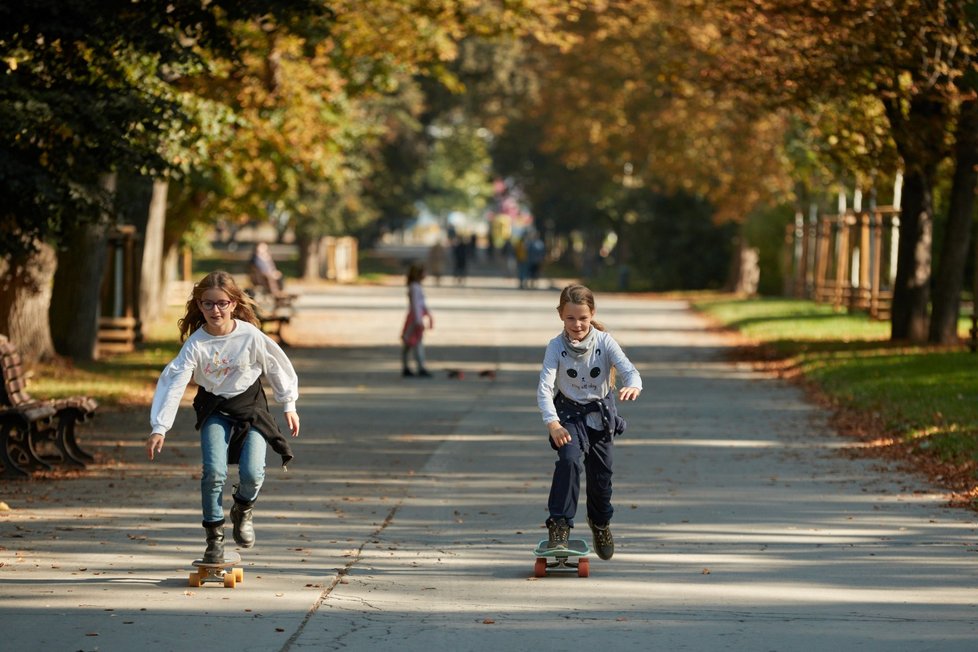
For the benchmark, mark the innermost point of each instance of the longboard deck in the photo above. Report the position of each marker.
(575, 548)
(230, 559)
(559, 559)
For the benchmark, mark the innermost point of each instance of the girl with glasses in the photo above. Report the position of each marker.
(225, 353)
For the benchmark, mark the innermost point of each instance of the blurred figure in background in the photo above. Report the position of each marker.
(262, 270)
(414, 324)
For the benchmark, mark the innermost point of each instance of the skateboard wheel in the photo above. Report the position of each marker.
(194, 579)
(584, 567)
(239, 575)
(229, 581)
(540, 567)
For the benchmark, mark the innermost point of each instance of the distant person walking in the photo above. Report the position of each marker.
(521, 254)
(436, 261)
(460, 252)
(576, 395)
(225, 353)
(414, 324)
(535, 255)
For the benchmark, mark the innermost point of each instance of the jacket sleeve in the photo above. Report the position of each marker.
(546, 387)
(629, 374)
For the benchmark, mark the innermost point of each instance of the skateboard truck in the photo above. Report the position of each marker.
(559, 559)
(223, 571)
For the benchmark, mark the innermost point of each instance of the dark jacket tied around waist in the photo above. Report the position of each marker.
(247, 410)
(573, 415)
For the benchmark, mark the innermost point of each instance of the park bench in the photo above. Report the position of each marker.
(272, 325)
(18, 428)
(37, 434)
(273, 310)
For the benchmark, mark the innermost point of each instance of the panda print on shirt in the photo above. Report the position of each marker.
(583, 378)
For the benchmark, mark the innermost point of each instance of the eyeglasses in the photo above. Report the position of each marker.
(220, 305)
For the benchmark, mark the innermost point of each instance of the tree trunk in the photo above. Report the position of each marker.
(954, 252)
(310, 262)
(152, 301)
(25, 296)
(75, 301)
(919, 135)
(744, 273)
(911, 291)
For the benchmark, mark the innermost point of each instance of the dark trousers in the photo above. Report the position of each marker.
(593, 456)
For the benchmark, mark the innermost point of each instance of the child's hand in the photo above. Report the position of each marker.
(431, 321)
(292, 418)
(558, 434)
(628, 393)
(154, 445)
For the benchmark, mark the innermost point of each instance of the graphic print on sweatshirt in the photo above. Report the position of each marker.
(219, 366)
(583, 377)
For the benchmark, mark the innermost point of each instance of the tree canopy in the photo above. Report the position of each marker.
(612, 114)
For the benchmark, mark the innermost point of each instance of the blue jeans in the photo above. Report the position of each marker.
(215, 437)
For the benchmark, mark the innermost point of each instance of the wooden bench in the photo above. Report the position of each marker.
(40, 433)
(272, 325)
(273, 310)
(18, 429)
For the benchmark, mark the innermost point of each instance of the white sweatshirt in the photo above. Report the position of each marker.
(224, 365)
(583, 380)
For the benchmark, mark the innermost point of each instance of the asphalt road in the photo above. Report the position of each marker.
(408, 519)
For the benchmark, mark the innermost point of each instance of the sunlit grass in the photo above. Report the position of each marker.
(125, 379)
(924, 395)
(793, 319)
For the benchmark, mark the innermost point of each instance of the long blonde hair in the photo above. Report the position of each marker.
(581, 295)
(244, 306)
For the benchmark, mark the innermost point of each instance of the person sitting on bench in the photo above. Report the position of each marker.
(263, 271)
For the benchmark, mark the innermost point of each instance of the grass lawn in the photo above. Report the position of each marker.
(920, 403)
(118, 381)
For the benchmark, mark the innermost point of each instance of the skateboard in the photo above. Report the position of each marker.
(559, 559)
(218, 572)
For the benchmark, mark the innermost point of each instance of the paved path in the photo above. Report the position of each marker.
(407, 520)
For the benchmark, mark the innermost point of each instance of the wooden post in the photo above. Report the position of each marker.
(119, 327)
(787, 260)
(876, 228)
(841, 263)
(801, 255)
(822, 254)
(862, 300)
(186, 264)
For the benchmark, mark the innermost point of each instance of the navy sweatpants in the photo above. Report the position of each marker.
(592, 455)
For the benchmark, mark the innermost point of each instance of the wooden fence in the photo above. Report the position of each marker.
(847, 260)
